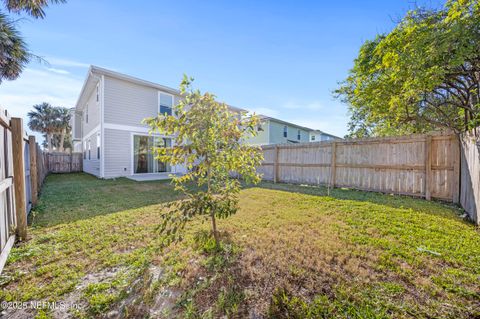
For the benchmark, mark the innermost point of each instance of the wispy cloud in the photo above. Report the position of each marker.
(59, 71)
(66, 62)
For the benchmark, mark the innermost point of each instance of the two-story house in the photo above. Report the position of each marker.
(107, 125)
(275, 131)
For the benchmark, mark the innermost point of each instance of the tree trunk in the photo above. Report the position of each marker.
(214, 228)
(49, 142)
(212, 213)
(62, 139)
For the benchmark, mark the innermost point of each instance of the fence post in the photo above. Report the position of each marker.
(456, 169)
(33, 168)
(428, 167)
(333, 166)
(275, 165)
(19, 176)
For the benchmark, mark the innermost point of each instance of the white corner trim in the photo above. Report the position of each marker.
(102, 128)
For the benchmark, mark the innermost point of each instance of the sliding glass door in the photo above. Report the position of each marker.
(143, 158)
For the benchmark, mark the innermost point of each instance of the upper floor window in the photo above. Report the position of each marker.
(285, 131)
(299, 135)
(166, 103)
(86, 114)
(98, 94)
(313, 138)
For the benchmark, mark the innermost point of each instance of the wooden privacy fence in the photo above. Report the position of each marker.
(419, 165)
(8, 218)
(21, 176)
(470, 174)
(64, 162)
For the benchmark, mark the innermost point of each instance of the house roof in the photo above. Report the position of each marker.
(322, 132)
(95, 72)
(264, 117)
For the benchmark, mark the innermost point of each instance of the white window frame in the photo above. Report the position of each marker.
(164, 93)
(98, 145)
(86, 113)
(173, 168)
(299, 135)
(285, 131)
(89, 149)
(97, 96)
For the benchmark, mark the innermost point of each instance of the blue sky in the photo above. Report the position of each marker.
(278, 58)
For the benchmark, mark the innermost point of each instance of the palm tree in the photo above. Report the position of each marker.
(13, 50)
(43, 120)
(62, 125)
(14, 54)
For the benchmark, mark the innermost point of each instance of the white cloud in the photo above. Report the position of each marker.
(35, 86)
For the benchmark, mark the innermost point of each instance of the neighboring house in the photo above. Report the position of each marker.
(107, 125)
(319, 136)
(275, 131)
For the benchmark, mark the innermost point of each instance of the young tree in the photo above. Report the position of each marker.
(424, 74)
(208, 140)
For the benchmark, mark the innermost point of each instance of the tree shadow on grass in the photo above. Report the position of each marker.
(435, 207)
(67, 198)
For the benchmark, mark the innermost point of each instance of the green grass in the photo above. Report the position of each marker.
(290, 251)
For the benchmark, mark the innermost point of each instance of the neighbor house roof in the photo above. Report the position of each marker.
(95, 72)
(264, 117)
(322, 132)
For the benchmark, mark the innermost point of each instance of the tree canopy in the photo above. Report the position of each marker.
(209, 142)
(53, 122)
(423, 75)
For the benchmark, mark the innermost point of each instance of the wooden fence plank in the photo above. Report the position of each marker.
(33, 169)
(19, 176)
(417, 165)
(333, 165)
(470, 175)
(428, 167)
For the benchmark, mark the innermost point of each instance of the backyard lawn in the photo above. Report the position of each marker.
(290, 252)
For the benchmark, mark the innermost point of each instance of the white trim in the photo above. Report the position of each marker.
(92, 131)
(173, 168)
(130, 128)
(5, 251)
(102, 128)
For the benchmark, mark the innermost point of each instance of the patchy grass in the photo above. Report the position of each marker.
(290, 251)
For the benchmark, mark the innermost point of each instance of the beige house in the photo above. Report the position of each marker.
(108, 129)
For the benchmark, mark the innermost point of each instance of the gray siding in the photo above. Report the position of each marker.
(118, 153)
(262, 137)
(92, 165)
(276, 133)
(93, 113)
(128, 103)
